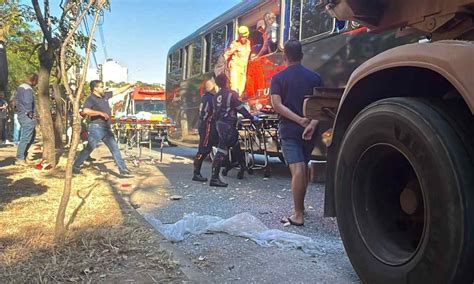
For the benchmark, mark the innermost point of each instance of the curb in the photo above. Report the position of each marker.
(185, 265)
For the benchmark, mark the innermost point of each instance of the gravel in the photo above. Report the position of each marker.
(225, 258)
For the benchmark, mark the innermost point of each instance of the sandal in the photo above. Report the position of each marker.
(288, 220)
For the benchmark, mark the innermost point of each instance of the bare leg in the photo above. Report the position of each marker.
(298, 187)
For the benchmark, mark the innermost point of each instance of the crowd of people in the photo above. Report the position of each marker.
(18, 121)
(218, 119)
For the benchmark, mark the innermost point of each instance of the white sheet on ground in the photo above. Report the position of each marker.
(242, 225)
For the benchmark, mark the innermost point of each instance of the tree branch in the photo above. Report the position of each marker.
(41, 21)
(66, 42)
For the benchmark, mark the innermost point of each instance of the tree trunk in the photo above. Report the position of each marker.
(75, 99)
(44, 106)
(59, 118)
(60, 229)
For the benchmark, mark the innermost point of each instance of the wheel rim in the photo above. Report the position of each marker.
(388, 204)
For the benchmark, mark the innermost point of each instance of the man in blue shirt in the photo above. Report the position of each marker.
(97, 107)
(25, 107)
(288, 89)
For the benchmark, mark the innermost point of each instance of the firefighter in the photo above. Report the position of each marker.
(238, 55)
(226, 105)
(207, 130)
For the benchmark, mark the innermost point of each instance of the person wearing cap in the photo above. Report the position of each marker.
(207, 130)
(238, 55)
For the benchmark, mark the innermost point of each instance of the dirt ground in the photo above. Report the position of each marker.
(223, 258)
(105, 241)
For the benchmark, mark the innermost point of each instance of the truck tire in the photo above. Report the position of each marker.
(404, 189)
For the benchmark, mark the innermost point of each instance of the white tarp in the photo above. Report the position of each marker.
(242, 225)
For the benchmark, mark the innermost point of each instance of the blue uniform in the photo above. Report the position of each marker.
(227, 105)
(207, 127)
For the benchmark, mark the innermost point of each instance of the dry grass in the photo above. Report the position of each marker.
(104, 242)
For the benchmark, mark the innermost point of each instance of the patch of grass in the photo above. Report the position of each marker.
(104, 241)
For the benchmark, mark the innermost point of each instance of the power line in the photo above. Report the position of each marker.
(102, 39)
(86, 25)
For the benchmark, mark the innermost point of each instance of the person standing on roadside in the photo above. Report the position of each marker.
(25, 109)
(16, 124)
(97, 107)
(296, 132)
(207, 130)
(3, 118)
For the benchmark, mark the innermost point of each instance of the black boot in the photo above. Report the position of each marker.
(242, 168)
(197, 171)
(215, 179)
(226, 169)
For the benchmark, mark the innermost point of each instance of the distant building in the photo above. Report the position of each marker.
(111, 71)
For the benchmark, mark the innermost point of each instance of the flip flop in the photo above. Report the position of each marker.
(288, 220)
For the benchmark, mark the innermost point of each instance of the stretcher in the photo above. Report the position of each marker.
(260, 138)
(137, 134)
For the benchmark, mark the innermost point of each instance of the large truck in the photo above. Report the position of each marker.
(400, 155)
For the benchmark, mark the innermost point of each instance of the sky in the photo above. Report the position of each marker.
(139, 33)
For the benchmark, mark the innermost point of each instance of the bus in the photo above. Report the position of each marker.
(331, 47)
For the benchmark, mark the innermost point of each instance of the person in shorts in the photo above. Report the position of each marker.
(296, 132)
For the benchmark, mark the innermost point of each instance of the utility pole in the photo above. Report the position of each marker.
(99, 71)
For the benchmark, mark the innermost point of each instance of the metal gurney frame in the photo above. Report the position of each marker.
(137, 134)
(254, 140)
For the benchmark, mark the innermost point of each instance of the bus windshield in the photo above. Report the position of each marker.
(152, 106)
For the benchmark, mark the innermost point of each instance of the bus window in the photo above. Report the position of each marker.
(295, 19)
(264, 28)
(169, 64)
(314, 22)
(175, 59)
(185, 62)
(217, 45)
(207, 54)
(181, 57)
(195, 57)
(230, 34)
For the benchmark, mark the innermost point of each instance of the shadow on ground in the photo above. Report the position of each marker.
(11, 190)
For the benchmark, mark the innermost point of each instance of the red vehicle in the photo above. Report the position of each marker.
(144, 108)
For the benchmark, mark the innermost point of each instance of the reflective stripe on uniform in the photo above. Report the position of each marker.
(229, 97)
(205, 111)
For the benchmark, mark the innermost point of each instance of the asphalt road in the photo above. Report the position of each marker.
(225, 258)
